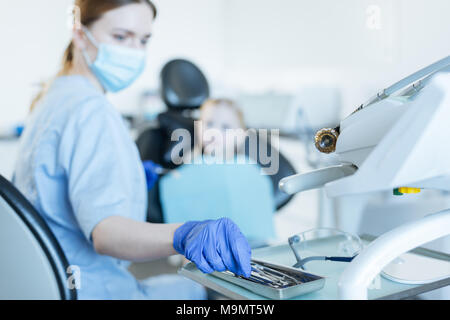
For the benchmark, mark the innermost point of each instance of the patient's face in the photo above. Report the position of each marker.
(222, 129)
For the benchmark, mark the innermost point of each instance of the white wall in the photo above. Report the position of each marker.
(288, 43)
(251, 45)
(34, 34)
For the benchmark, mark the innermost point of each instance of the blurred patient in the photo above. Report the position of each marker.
(222, 132)
(224, 183)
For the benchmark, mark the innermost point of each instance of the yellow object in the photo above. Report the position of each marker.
(408, 190)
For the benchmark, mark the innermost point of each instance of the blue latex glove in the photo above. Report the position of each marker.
(214, 245)
(151, 174)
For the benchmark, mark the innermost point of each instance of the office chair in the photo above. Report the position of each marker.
(184, 88)
(33, 265)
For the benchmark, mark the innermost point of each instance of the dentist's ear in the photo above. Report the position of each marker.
(79, 38)
(84, 44)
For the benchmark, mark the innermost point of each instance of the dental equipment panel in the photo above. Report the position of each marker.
(358, 135)
(389, 143)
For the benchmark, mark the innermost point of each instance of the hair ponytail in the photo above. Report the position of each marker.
(65, 67)
(67, 60)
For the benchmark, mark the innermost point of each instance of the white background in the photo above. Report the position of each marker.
(246, 45)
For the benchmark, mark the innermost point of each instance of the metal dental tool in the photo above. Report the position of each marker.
(274, 281)
(270, 277)
(302, 261)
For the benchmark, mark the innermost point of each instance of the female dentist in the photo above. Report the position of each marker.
(81, 170)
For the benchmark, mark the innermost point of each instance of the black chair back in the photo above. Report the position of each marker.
(183, 85)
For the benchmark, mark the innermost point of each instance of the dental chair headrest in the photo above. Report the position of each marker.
(169, 122)
(183, 85)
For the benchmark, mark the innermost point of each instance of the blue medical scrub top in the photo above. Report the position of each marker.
(78, 165)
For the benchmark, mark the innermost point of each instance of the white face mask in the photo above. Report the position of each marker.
(115, 67)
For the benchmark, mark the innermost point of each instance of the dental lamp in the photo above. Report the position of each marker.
(391, 142)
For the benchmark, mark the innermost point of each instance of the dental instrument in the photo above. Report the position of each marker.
(302, 261)
(272, 281)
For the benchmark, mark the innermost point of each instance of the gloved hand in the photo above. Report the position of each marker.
(214, 245)
(151, 174)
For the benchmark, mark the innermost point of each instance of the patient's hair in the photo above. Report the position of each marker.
(211, 103)
(86, 12)
(220, 103)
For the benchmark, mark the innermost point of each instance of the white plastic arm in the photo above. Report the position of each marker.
(315, 179)
(368, 264)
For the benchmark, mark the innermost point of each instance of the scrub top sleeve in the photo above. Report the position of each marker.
(99, 168)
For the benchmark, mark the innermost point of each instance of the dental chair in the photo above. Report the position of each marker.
(184, 88)
(33, 265)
